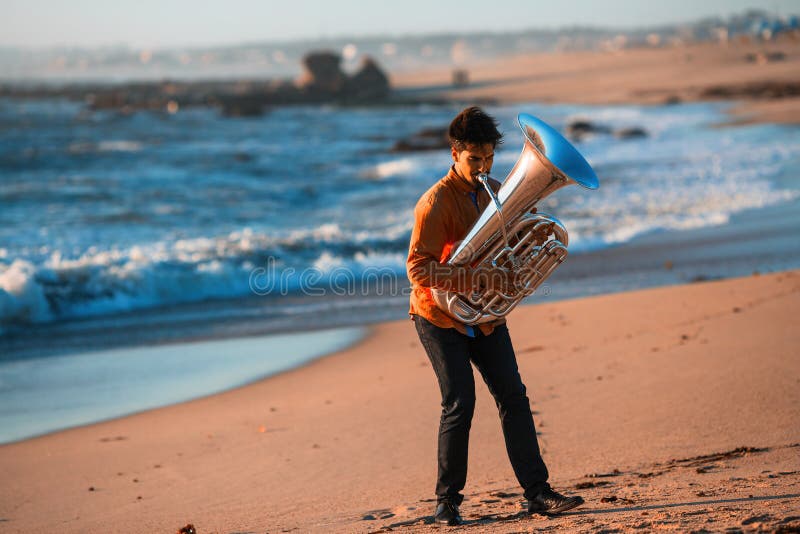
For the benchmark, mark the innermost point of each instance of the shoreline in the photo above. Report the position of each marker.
(326, 421)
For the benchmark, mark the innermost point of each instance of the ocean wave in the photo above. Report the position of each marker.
(100, 282)
(51, 284)
(22, 299)
(84, 235)
(619, 214)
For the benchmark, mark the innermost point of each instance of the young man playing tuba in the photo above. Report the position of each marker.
(443, 216)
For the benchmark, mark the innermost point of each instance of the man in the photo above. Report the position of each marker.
(443, 216)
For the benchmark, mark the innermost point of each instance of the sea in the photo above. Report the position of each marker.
(124, 230)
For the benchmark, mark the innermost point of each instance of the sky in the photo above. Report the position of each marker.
(179, 23)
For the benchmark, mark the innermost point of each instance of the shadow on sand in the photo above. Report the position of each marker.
(489, 519)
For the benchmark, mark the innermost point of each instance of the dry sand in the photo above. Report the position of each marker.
(639, 75)
(633, 394)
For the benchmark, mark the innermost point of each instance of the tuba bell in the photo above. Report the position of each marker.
(508, 235)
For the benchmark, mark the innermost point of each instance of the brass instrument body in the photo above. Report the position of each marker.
(508, 235)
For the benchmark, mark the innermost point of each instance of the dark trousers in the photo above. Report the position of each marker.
(450, 353)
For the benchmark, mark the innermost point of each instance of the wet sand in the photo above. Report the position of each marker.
(634, 394)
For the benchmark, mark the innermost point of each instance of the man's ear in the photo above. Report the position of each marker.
(454, 153)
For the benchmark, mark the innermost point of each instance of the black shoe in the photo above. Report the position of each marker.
(447, 512)
(549, 502)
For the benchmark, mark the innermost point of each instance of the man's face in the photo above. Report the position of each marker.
(475, 159)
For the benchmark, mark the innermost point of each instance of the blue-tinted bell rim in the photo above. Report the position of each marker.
(560, 152)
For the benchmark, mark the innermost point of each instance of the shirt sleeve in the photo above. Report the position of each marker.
(429, 248)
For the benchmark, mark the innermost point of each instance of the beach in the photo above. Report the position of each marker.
(661, 360)
(630, 393)
(644, 75)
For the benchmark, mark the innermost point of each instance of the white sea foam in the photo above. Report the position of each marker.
(21, 298)
(390, 169)
(327, 262)
(99, 282)
(120, 145)
(618, 215)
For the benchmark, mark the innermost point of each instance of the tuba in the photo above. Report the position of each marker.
(508, 236)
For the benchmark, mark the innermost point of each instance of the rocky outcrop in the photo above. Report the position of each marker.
(580, 129)
(241, 105)
(766, 90)
(323, 75)
(369, 83)
(630, 133)
(426, 139)
(325, 79)
(764, 57)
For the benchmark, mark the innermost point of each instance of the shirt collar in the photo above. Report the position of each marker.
(459, 182)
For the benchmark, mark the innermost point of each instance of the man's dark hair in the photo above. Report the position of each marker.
(473, 127)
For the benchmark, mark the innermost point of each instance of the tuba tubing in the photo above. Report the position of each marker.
(507, 235)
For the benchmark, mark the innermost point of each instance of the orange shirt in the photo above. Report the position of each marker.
(442, 217)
